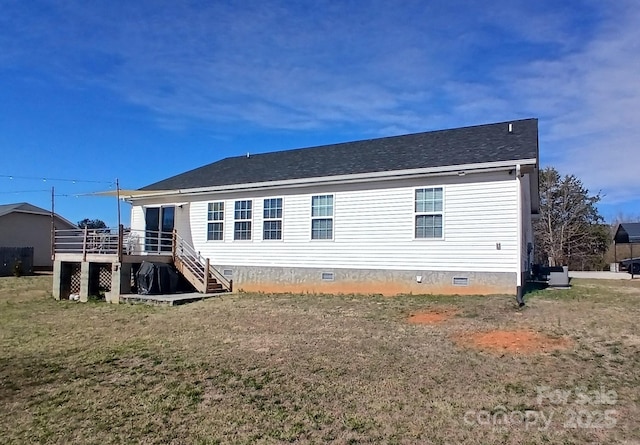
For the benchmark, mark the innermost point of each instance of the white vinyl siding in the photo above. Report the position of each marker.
(376, 228)
(137, 218)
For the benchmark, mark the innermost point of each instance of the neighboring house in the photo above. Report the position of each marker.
(629, 234)
(25, 225)
(438, 212)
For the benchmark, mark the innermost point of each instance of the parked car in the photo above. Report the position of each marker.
(631, 265)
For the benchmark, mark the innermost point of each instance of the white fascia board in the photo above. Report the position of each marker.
(342, 179)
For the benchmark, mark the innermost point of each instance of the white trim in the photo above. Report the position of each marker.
(281, 219)
(332, 218)
(250, 220)
(416, 214)
(213, 221)
(344, 179)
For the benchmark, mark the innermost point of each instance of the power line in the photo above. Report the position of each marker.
(74, 195)
(24, 191)
(44, 179)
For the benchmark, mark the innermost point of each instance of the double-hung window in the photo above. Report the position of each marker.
(215, 221)
(429, 213)
(322, 217)
(272, 219)
(242, 220)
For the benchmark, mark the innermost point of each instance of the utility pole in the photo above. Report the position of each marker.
(120, 228)
(118, 196)
(53, 224)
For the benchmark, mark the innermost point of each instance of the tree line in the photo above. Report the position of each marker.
(570, 230)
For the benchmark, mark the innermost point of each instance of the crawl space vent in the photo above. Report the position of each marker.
(460, 281)
(327, 276)
(227, 272)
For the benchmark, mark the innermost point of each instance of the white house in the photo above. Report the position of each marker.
(438, 212)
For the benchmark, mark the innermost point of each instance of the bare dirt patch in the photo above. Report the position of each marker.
(514, 341)
(431, 317)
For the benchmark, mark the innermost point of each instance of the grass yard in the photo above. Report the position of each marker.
(253, 368)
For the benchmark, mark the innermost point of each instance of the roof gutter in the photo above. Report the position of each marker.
(338, 179)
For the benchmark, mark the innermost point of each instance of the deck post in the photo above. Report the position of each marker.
(85, 279)
(206, 276)
(120, 241)
(84, 244)
(57, 279)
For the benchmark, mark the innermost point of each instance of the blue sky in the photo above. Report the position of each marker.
(144, 90)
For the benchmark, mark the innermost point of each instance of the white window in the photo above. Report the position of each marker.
(322, 217)
(242, 220)
(215, 221)
(272, 219)
(428, 212)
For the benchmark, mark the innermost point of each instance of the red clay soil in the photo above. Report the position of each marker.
(516, 341)
(431, 317)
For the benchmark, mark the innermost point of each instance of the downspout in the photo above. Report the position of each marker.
(520, 235)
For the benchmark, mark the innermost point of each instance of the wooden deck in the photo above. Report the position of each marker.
(87, 261)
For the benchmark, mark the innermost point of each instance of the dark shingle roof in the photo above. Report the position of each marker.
(25, 207)
(468, 145)
(628, 233)
(22, 207)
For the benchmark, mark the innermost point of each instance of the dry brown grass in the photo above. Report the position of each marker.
(254, 368)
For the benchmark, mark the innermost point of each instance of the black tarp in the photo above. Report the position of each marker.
(156, 278)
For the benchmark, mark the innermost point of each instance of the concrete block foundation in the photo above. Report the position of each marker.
(368, 281)
(85, 279)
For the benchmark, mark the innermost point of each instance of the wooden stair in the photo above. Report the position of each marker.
(197, 269)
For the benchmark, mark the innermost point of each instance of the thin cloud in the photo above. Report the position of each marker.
(590, 100)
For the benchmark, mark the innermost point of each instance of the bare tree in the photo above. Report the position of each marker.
(569, 230)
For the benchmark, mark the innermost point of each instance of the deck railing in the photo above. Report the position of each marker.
(112, 241)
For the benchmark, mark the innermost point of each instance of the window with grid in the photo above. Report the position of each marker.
(322, 217)
(215, 221)
(272, 219)
(428, 212)
(242, 220)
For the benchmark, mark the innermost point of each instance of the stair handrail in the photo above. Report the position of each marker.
(184, 250)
